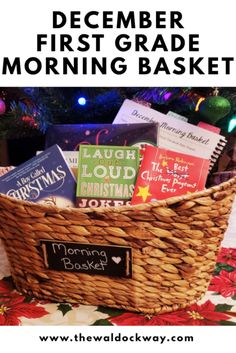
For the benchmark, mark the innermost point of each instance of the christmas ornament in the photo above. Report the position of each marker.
(29, 120)
(2, 107)
(214, 108)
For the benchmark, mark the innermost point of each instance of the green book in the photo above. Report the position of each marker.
(106, 175)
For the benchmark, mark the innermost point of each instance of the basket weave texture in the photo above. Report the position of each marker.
(174, 244)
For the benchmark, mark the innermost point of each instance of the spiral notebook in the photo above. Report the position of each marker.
(174, 134)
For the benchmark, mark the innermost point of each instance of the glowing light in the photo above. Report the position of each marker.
(198, 103)
(232, 124)
(82, 101)
(167, 96)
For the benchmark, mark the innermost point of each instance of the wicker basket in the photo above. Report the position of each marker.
(174, 243)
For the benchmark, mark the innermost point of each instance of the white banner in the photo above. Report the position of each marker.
(104, 339)
(117, 43)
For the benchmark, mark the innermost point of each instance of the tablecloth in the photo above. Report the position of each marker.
(217, 307)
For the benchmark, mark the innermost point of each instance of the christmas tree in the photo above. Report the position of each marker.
(27, 112)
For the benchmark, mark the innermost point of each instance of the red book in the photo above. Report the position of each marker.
(164, 173)
(209, 127)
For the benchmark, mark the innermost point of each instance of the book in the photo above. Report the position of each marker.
(106, 175)
(209, 127)
(70, 137)
(175, 134)
(164, 173)
(72, 159)
(45, 178)
(177, 116)
(4, 170)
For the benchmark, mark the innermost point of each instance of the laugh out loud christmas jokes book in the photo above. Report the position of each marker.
(106, 175)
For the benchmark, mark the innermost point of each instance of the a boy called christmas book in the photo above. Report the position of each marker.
(45, 178)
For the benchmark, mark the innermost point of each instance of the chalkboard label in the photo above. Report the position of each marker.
(94, 259)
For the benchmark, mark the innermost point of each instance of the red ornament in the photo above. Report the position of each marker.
(30, 121)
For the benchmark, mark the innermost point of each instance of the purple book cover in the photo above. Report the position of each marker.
(69, 137)
(44, 179)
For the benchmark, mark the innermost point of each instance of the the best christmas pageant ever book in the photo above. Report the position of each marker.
(164, 173)
(174, 134)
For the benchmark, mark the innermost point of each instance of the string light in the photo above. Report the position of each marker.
(198, 103)
(232, 124)
(82, 101)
